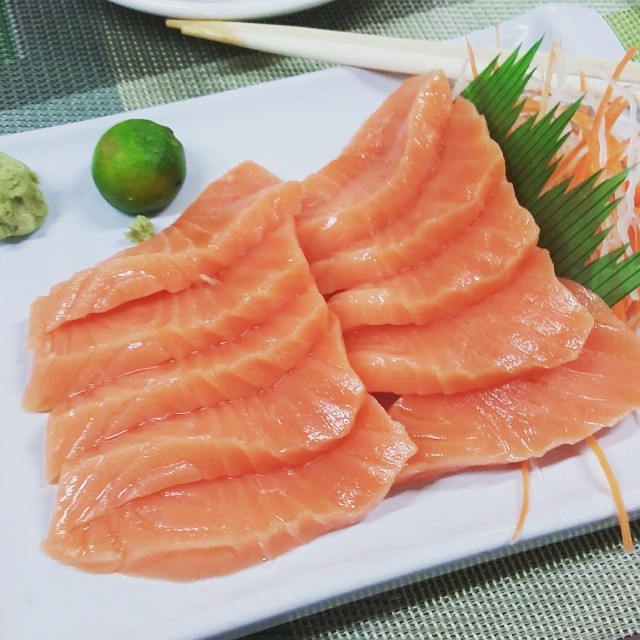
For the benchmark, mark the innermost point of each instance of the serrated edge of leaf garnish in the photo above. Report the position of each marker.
(570, 220)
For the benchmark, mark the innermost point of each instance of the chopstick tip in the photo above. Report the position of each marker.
(217, 30)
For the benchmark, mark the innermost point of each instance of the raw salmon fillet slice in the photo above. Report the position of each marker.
(233, 214)
(470, 167)
(380, 171)
(165, 326)
(215, 527)
(478, 263)
(527, 417)
(533, 323)
(302, 415)
(233, 370)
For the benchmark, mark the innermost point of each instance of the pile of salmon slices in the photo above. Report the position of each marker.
(204, 416)
(212, 390)
(447, 305)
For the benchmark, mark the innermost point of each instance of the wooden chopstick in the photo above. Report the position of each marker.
(383, 53)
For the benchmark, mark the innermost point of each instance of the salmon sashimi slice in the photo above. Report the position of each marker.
(470, 168)
(232, 215)
(527, 417)
(480, 262)
(145, 333)
(533, 323)
(381, 170)
(231, 371)
(303, 414)
(215, 527)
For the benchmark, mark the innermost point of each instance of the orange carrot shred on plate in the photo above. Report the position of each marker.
(617, 107)
(583, 156)
(524, 505)
(563, 170)
(472, 59)
(606, 98)
(616, 494)
(593, 146)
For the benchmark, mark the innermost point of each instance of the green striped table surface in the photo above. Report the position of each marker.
(68, 60)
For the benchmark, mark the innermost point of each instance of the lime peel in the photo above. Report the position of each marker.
(138, 166)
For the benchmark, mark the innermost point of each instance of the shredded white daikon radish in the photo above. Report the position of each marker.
(602, 143)
(460, 83)
(548, 89)
(208, 280)
(558, 94)
(626, 212)
(633, 153)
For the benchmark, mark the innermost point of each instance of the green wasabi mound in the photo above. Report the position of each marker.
(22, 206)
(141, 229)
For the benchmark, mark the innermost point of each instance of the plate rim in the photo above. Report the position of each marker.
(225, 10)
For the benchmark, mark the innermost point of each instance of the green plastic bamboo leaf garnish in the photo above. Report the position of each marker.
(570, 220)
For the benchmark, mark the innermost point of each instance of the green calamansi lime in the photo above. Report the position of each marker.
(139, 166)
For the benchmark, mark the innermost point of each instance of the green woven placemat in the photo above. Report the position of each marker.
(584, 588)
(63, 60)
(67, 60)
(626, 24)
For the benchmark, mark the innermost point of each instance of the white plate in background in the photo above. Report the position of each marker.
(220, 9)
(293, 127)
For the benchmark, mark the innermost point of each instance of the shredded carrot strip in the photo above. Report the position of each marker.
(607, 107)
(606, 98)
(524, 505)
(616, 494)
(582, 156)
(584, 167)
(472, 59)
(591, 162)
(530, 107)
(614, 111)
(563, 170)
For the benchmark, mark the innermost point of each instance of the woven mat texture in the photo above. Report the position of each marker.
(68, 60)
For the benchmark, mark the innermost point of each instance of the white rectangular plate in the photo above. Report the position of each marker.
(293, 127)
